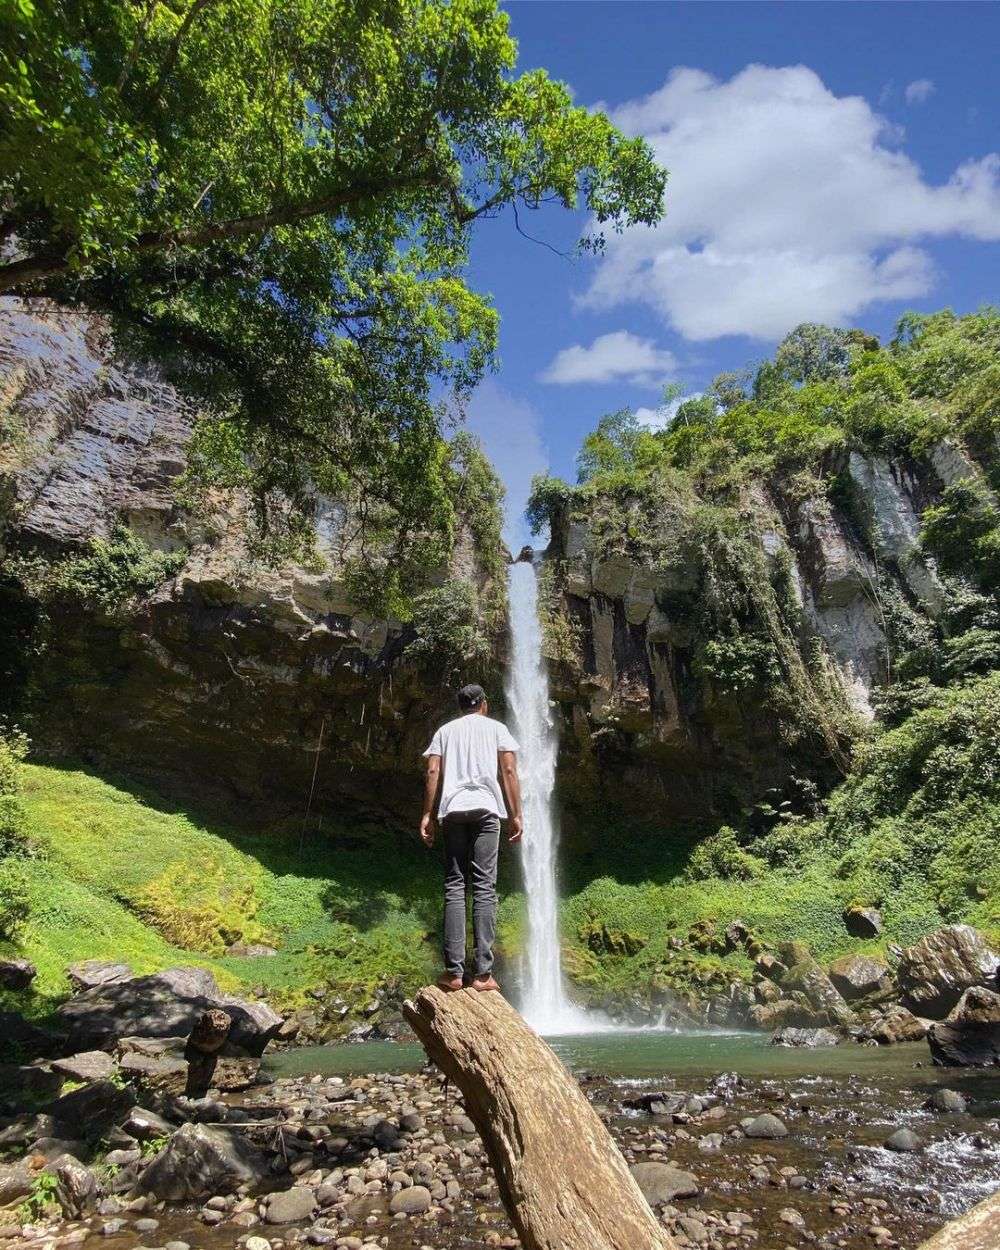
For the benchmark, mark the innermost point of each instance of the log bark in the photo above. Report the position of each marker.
(978, 1229)
(562, 1180)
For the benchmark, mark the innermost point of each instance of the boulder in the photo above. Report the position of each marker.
(92, 1110)
(163, 1004)
(950, 1101)
(76, 1185)
(200, 1161)
(16, 1180)
(896, 1025)
(970, 1037)
(661, 1183)
(413, 1200)
(863, 922)
(809, 979)
(766, 1126)
(250, 950)
(25, 1038)
(292, 1206)
(770, 967)
(784, 1013)
(934, 973)
(145, 1125)
(93, 972)
(16, 974)
(89, 1065)
(805, 1038)
(855, 976)
(904, 1141)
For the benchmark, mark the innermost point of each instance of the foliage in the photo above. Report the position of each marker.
(15, 898)
(13, 752)
(721, 856)
(963, 531)
(110, 574)
(42, 1197)
(450, 631)
(276, 198)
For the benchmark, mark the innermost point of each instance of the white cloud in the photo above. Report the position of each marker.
(659, 418)
(510, 431)
(919, 91)
(786, 203)
(617, 357)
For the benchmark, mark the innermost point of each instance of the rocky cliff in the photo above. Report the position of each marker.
(214, 669)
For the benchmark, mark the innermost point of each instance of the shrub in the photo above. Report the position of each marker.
(721, 855)
(450, 631)
(13, 751)
(15, 899)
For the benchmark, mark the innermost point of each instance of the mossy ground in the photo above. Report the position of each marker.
(123, 874)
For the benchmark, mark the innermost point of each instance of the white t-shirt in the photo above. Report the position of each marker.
(468, 747)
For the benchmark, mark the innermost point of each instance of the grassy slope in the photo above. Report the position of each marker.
(124, 876)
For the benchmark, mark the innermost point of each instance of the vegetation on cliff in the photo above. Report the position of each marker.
(276, 199)
(911, 828)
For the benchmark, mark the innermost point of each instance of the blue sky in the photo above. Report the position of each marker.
(828, 161)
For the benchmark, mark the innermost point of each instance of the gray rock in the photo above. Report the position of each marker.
(661, 1183)
(948, 1100)
(15, 1181)
(94, 972)
(412, 1201)
(904, 1141)
(143, 1125)
(89, 1065)
(162, 1004)
(854, 976)
(807, 1038)
(111, 1228)
(16, 974)
(92, 1110)
(146, 1225)
(290, 1206)
(896, 1025)
(935, 972)
(970, 1037)
(250, 950)
(766, 1126)
(200, 1160)
(76, 1185)
(863, 922)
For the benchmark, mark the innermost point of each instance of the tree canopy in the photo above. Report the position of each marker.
(278, 194)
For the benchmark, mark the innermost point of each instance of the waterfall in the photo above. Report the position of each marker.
(543, 995)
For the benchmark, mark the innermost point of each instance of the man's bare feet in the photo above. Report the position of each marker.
(447, 982)
(484, 983)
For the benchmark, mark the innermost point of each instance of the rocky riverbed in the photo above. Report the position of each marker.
(392, 1160)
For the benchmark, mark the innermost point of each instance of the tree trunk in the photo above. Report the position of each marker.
(978, 1229)
(561, 1178)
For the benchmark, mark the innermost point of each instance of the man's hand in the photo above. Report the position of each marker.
(427, 830)
(514, 829)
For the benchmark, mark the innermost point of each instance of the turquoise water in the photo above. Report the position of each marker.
(636, 1054)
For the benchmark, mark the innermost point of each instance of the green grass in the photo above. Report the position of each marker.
(122, 874)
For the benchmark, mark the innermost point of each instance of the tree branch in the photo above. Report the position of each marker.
(32, 269)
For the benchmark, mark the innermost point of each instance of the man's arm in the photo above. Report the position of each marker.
(432, 783)
(512, 789)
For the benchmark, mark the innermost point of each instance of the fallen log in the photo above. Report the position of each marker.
(978, 1229)
(562, 1180)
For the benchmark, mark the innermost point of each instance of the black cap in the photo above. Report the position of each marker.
(470, 697)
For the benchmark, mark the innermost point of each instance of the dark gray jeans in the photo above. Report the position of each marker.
(471, 841)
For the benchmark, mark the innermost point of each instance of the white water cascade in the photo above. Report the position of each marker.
(543, 996)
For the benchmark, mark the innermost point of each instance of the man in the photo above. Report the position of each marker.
(464, 760)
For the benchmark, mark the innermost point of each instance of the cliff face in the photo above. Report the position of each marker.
(229, 674)
(648, 729)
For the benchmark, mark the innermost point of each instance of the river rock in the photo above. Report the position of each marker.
(863, 922)
(855, 976)
(809, 979)
(16, 974)
(766, 1126)
(904, 1141)
(200, 1161)
(163, 1004)
(948, 1100)
(15, 1181)
(970, 1037)
(805, 1038)
(89, 1065)
(896, 1025)
(93, 972)
(412, 1201)
(290, 1206)
(661, 1183)
(935, 972)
